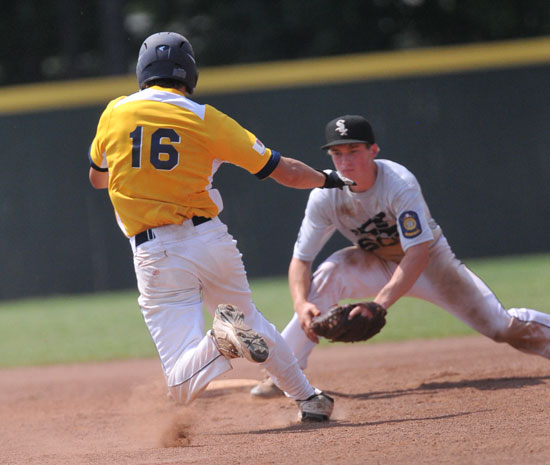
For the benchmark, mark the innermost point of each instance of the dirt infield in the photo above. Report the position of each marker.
(454, 401)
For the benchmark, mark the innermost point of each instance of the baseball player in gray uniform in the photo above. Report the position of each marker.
(398, 250)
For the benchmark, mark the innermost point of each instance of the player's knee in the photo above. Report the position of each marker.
(328, 268)
(505, 332)
(328, 274)
(517, 333)
(327, 282)
(500, 336)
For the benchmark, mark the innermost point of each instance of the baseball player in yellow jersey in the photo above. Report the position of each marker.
(157, 151)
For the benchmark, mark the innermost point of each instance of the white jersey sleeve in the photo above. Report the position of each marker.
(317, 227)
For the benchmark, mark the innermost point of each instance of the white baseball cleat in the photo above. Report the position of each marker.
(318, 407)
(235, 338)
(266, 389)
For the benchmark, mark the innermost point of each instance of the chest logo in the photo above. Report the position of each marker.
(410, 224)
(376, 232)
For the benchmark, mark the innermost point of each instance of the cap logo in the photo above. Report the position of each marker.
(341, 127)
(162, 48)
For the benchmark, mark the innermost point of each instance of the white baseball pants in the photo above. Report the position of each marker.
(178, 271)
(352, 273)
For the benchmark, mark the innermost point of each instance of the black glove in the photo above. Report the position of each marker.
(333, 179)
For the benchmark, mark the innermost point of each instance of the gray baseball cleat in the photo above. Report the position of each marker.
(235, 338)
(266, 389)
(318, 407)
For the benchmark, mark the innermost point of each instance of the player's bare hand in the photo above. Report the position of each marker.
(306, 313)
(361, 308)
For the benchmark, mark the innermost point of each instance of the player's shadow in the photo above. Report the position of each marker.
(305, 427)
(484, 384)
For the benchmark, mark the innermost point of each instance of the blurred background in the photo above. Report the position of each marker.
(457, 90)
(66, 39)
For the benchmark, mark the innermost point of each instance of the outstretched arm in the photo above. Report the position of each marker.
(293, 173)
(412, 265)
(299, 280)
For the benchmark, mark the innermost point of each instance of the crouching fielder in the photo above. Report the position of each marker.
(398, 250)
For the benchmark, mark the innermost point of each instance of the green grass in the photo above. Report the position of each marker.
(107, 326)
(72, 329)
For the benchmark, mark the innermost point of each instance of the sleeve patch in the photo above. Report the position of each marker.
(259, 147)
(410, 224)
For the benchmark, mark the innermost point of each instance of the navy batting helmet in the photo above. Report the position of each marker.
(167, 55)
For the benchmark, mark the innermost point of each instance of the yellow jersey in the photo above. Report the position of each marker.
(162, 149)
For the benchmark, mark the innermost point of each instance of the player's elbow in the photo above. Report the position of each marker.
(293, 173)
(420, 254)
(95, 184)
(286, 173)
(99, 179)
(425, 254)
(299, 266)
(98, 184)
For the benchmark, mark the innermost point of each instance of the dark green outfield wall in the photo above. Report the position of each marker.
(477, 141)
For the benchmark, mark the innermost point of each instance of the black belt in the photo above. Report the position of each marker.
(147, 235)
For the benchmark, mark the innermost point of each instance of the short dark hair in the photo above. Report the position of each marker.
(367, 145)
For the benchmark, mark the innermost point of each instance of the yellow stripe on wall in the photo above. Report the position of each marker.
(293, 73)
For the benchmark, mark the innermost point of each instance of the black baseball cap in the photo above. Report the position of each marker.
(348, 129)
